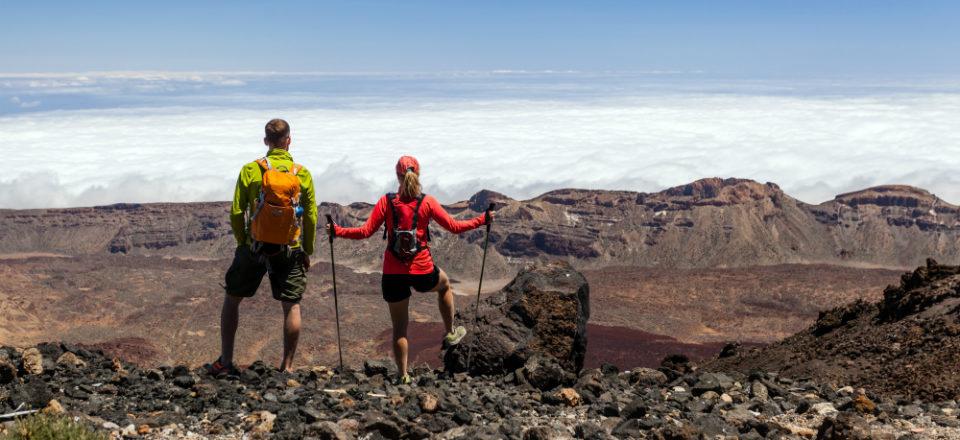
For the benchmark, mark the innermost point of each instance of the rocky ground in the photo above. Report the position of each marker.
(521, 378)
(539, 401)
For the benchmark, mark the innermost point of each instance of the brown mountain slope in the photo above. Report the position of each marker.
(906, 345)
(709, 223)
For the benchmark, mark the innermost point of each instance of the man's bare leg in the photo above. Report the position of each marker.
(291, 333)
(229, 320)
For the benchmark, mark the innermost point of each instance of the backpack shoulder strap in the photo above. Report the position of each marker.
(393, 213)
(417, 213)
(295, 169)
(416, 210)
(264, 163)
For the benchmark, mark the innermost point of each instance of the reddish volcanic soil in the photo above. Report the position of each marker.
(158, 310)
(620, 346)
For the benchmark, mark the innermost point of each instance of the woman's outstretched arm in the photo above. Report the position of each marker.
(373, 223)
(444, 219)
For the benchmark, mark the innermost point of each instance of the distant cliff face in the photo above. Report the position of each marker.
(708, 223)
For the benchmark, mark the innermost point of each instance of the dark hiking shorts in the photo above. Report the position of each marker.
(396, 287)
(288, 280)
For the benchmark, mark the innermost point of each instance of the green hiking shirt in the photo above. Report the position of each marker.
(248, 190)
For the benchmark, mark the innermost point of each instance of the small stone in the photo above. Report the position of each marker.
(185, 381)
(322, 371)
(8, 372)
(543, 433)
(570, 397)
(759, 392)
(635, 409)
(375, 367)
(349, 425)
(647, 377)
(911, 411)
(863, 405)
(110, 426)
(53, 408)
(347, 402)
(823, 409)
(725, 398)
(845, 391)
(328, 431)
(310, 414)
(32, 361)
(68, 358)
(154, 375)
(259, 422)
(712, 382)
(117, 366)
(428, 403)
(143, 429)
(292, 383)
(129, 430)
(380, 425)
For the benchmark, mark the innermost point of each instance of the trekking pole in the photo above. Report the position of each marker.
(336, 305)
(483, 264)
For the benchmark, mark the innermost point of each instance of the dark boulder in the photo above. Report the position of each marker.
(544, 310)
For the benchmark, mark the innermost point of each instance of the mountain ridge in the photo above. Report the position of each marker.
(711, 222)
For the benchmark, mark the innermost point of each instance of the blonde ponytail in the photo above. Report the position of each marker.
(410, 187)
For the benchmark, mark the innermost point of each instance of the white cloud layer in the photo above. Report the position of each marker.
(813, 146)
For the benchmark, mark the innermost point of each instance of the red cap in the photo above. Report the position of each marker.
(407, 162)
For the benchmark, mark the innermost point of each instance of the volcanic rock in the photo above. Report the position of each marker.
(32, 361)
(8, 372)
(375, 367)
(543, 311)
(259, 422)
(68, 358)
(647, 377)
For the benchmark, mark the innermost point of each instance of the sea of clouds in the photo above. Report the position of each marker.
(93, 139)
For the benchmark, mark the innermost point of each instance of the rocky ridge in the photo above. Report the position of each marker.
(708, 223)
(905, 346)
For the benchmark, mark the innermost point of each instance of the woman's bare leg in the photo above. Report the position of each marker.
(445, 301)
(399, 317)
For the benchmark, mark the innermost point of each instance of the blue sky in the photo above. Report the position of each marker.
(725, 38)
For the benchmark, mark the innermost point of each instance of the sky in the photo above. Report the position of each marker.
(738, 38)
(112, 102)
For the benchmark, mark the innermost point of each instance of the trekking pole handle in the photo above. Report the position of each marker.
(330, 232)
(488, 218)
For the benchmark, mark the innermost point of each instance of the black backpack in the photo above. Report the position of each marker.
(403, 243)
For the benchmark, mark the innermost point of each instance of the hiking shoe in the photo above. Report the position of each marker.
(454, 337)
(403, 380)
(218, 369)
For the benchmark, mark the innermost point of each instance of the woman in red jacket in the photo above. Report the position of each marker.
(407, 262)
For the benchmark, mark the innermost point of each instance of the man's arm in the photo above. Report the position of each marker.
(237, 210)
(308, 200)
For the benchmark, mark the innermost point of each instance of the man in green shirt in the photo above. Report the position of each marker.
(286, 265)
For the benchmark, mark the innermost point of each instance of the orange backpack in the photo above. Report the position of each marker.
(276, 219)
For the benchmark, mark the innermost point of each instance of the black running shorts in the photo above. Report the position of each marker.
(288, 279)
(396, 287)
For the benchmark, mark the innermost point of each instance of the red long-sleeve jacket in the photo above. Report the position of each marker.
(430, 209)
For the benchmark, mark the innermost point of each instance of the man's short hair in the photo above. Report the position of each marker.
(276, 130)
